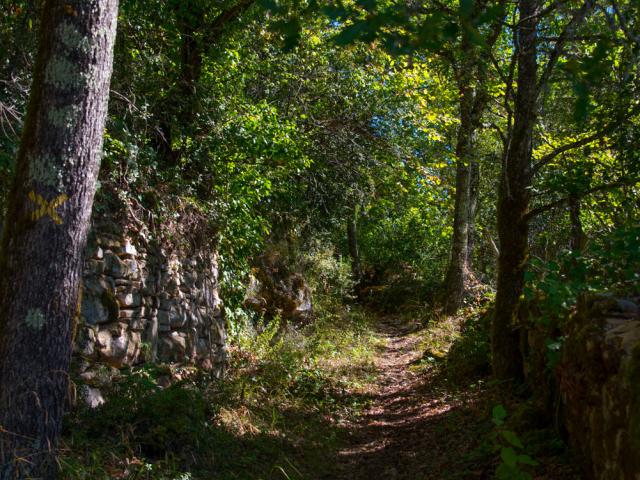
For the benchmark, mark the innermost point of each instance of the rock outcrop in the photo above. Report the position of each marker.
(275, 290)
(142, 303)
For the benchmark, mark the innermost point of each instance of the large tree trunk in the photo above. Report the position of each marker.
(46, 228)
(513, 203)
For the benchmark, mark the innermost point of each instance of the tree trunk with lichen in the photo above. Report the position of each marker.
(458, 270)
(471, 105)
(46, 227)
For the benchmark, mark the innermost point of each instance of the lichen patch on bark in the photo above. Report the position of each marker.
(35, 319)
(71, 38)
(44, 170)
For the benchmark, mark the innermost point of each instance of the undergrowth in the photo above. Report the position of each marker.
(274, 416)
(283, 410)
(519, 441)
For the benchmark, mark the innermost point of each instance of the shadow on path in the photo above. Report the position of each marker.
(417, 427)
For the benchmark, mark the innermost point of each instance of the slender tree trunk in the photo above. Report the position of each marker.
(474, 191)
(46, 228)
(190, 16)
(458, 270)
(472, 85)
(198, 36)
(513, 202)
(577, 232)
(352, 239)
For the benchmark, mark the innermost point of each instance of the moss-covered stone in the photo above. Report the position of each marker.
(110, 302)
(633, 380)
(600, 389)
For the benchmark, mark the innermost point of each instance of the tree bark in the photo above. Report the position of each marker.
(472, 104)
(515, 184)
(46, 227)
(471, 76)
(458, 270)
(354, 251)
(513, 202)
(577, 232)
(474, 192)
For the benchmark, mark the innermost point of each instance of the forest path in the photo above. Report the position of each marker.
(416, 427)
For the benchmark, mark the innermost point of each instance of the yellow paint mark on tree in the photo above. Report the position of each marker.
(44, 208)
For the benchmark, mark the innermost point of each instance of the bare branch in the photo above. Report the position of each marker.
(564, 37)
(549, 157)
(600, 188)
(624, 25)
(613, 125)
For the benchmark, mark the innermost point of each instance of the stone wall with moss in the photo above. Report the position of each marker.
(599, 379)
(149, 301)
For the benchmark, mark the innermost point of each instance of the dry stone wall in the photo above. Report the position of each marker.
(141, 303)
(600, 386)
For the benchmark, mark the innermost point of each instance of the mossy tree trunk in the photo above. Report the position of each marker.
(46, 227)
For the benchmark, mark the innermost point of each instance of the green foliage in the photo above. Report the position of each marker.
(277, 122)
(470, 355)
(329, 274)
(163, 421)
(143, 430)
(609, 264)
(514, 465)
(268, 417)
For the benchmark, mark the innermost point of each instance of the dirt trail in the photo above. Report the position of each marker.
(415, 428)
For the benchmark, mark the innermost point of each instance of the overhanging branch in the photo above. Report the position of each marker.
(558, 203)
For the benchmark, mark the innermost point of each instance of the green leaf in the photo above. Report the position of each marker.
(512, 438)
(527, 460)
(509, 457)
(499, 413)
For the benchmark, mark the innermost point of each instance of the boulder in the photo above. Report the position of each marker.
(274, 290)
